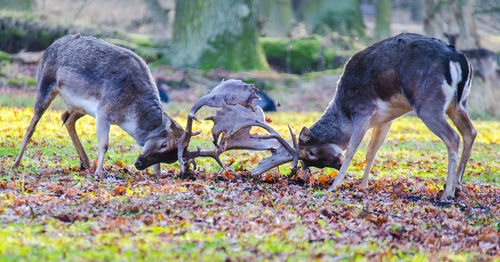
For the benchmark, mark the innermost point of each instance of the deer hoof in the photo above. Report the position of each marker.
(84, 166)
(334, 187)
(99, 173)
(447, 196)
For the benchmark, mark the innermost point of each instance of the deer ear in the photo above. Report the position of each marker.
(305, 135)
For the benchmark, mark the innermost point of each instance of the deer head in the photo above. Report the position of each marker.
(314, 153)
(161, 148)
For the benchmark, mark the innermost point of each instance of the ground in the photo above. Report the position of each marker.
(50, 210)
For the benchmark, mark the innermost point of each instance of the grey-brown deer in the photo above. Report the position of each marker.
(384, 81)
(111, 84)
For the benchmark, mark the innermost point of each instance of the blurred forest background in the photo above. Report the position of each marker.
(292, 49)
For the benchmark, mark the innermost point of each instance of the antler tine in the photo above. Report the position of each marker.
(296, 147)
(294, 137)
(273, 134)
(278, 137)
(183, 142)
(191, 155)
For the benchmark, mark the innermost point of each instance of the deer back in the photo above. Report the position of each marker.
(95, 76)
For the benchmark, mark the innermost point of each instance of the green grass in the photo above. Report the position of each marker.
(212, 220)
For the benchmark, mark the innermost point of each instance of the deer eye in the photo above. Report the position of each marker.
(312, 155)
(164, 145)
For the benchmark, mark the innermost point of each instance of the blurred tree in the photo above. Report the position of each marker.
(323, 16)
(157, 12)
(22, 5)
(383, 24)
(452, 17)
(216, 34)
(275, 17)
(416, 10)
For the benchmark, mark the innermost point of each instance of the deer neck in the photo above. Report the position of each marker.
(145, 121)
(334, 126)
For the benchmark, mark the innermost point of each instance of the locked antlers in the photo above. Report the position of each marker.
(232, 126)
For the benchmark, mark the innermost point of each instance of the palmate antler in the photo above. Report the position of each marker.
(235, 120)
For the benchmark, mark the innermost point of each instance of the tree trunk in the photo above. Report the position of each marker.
(158, 13)
(342, 16)
(21, 5)
(383, 24)
(452, 17)
(416, 10)
(216, 34)
(276, 16)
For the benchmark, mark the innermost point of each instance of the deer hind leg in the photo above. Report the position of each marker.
(69, 120)
(102, 130)
(46, 94)
(358, 132)
(378, 137)
(464, 125)
(434, 119)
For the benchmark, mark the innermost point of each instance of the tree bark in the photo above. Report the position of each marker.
(416, 10)
(452, 17)
(22, 5)
(276, 16)
(383, 24)
(342, 16)
(216, 34)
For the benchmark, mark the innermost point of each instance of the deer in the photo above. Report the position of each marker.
(115, 86)
(408, 72)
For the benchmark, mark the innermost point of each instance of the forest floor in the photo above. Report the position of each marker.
(50, 210)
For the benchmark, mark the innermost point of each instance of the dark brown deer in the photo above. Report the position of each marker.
(111, 84)
(379, 84)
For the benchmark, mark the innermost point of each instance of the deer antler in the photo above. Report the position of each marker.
(235, 121)
(230, 92)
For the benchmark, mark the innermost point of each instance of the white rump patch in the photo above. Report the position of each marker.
(466, 90)
(450, 90)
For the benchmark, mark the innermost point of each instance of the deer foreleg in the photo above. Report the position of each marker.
(102, 128)
(157, 170)
(358, 132)
(378, 137)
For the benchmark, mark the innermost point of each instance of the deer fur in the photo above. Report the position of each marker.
(111, 84)
(386, 80)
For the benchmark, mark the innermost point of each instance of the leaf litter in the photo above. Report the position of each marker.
(231, 215)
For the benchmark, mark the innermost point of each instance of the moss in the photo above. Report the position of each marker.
(144, 41)
(296, 56)
(5, 56)
(121, 42)
(326, 16)
(211, 34)
(305, 55)
(27, 33)
(22, 80)
(312, 75)
(149, 54)
(316, 53)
